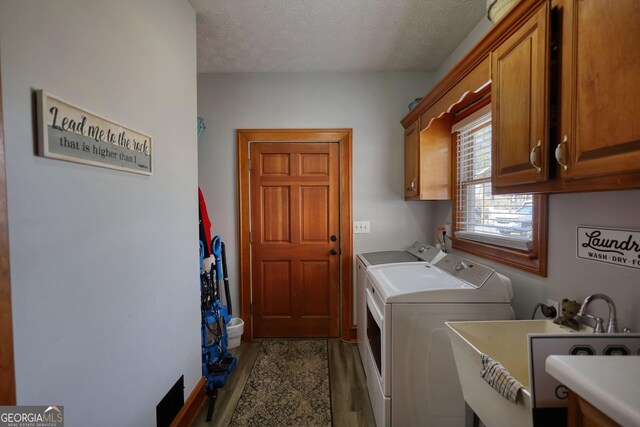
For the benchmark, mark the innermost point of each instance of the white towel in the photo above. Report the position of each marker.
(500, 379)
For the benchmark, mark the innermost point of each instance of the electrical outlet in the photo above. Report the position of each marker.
(553, 303)
(447, 229)
(361, 227)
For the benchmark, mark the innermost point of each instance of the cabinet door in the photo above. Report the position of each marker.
(519, 98)
(581, 413)
(435, 159)
(600, 119)
(411, 160)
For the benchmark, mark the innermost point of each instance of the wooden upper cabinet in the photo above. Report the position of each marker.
(411, 160)
(569, 78)
(600, 91)
(565, 97)
(427, 160)
(519, 99)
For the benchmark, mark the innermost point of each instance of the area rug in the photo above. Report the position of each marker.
(288, 386)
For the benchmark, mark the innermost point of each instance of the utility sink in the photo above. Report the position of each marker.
(507, 343)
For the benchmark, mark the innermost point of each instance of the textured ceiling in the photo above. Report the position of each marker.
(331, 35)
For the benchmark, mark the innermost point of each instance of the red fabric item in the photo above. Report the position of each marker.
(206, 223)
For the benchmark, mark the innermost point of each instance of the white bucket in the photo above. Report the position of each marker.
(235, 328)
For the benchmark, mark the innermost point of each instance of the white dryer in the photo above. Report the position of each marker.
(411, 373)
(417, 252)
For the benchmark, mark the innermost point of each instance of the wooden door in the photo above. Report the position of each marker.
(600, 119)
(295, 239)
(519, 99)
(411, 160)
(7, 371)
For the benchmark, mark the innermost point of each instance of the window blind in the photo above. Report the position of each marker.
(504, 220)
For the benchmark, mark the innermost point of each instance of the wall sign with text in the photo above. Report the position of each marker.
(67, 132)
(611, 245)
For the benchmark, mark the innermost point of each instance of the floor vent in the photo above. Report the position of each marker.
(171, 404)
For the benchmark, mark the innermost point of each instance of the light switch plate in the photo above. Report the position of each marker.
(361, 227)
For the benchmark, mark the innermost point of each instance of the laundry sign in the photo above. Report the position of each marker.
(610, 245)
(67, 132)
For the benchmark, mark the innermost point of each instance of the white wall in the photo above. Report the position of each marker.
(103, 263)
(465, 45)
(371, 103)
(568, 276)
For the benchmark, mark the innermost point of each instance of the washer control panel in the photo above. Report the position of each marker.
(425, 251)
(464, 269)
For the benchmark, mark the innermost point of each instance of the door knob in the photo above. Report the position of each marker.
(334, 251)
(333, 238)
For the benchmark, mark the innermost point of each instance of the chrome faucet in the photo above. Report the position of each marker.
(612, 325)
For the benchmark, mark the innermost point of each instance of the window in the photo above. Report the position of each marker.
(507, 228)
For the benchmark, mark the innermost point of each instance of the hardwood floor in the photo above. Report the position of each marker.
(350, 405)
(229, 395)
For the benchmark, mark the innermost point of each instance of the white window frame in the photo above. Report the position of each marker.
(520, 243)
(530, 256)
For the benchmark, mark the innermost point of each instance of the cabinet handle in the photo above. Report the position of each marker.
(559, 153)
(413, 186)
(533, 157)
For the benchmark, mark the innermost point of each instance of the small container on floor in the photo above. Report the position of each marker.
(235, 328)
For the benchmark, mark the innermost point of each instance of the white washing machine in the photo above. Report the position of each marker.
(411, 373)
(417, 252)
